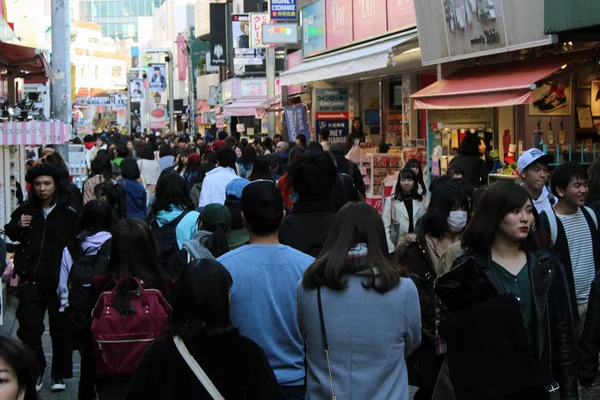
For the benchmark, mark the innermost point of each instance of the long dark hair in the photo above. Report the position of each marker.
(470, 145)
(354, 223)
(261, 169)
(217, 242)
(22, 361)
(172, 191)
(443, 200)
(102, 166)
(133, 253)
(95, 217)
(414, 193)
(248, 156)
(499, 199)
(412, 163)
(201, 300)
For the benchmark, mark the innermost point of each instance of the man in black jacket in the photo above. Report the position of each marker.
(43, 226)
(348, 167)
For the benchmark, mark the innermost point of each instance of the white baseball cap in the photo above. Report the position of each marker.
(531, 156)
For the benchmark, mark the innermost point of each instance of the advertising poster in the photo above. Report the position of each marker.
(218, 37)
(158, 77)
(283, 10)
(158, 110)
(332, 113)
(256, 22)
(339, 23)
(296, 120)
(552, 99)
(136, 90)
(313, 29)
(181, 58)
(370, 18)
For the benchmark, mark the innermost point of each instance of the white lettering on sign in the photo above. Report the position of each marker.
(367, 8)
(338, 12)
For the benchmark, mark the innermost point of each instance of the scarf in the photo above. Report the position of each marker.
(196, 248)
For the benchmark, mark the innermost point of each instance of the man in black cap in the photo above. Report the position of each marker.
(265, 276)
(43, 226)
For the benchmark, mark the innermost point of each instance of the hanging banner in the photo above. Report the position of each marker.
(158, 79)
(181, 58)
(296, 120)
(136, 90)
(218, 37)
(256, 22)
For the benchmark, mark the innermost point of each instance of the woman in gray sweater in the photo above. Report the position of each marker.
(358, 313)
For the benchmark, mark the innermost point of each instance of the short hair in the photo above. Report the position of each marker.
(499, 199)
(130, 169)
(230, 141)
(122, 152)
(564, 174)
(165, 150)
(302, 138)
(146, 151)
(443, 200)
(313, 175)
(324, 133)
(455, 170)
(315, 146)
(226, 157)
(222, 135)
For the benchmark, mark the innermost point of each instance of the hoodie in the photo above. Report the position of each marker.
(187, 226)
(94, 242)
(544, 202)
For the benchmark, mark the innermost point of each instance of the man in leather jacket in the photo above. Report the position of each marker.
(43, 226)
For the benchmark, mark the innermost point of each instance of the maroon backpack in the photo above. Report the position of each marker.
(120, 340)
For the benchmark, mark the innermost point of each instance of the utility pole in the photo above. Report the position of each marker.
(270, 61)
(191, 86)
(61, 61)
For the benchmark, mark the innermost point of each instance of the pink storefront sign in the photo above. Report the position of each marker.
(181, 58)
(294, 59)
(339, 23)
(34, 132)
(369, 18)
(401, 14)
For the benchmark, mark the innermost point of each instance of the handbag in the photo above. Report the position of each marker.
(325, 344)
(198, 371)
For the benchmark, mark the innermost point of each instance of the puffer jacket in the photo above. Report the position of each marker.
(555, 346)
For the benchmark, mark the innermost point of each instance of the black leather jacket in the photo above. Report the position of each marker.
(555, 345)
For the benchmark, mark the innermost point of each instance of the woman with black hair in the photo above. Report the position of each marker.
(133, 254)
(114, 195)
(135, 192)
(17, 371)
(358, 306)
(236, 366)
(246, 162)
(356, 134)
(172, 200)
(261, 169)
(473, 160)
(416, 167)
(403, 209)
(517, 309)
(101, 172)
(149, 167)
(440, 227)
(210, 240)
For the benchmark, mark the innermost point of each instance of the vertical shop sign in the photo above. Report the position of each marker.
(296, 120)
(256, 22)
(401, 14)
(218, 37)
(369, 17)
(181, 58)
(313, 28)
(332, 113)
(339, 23)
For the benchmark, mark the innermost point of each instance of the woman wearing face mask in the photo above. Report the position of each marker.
(440, 227)
(403, 209)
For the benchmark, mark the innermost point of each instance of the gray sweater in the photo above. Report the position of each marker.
(369, 335)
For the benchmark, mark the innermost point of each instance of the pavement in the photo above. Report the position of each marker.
(9, 328)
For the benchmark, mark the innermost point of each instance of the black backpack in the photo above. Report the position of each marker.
(166, 243)
(85, 268)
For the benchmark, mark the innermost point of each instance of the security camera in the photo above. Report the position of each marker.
(167, 59)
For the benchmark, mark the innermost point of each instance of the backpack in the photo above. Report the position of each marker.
(553, 226)
(120, 340)
(84, 270)
(166, 242)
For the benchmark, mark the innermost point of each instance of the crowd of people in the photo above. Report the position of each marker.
(236, 270)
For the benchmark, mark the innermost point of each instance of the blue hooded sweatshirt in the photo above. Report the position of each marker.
(186, 227)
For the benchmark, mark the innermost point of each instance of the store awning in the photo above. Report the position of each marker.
(354, 60)
(24, 62)
(496, 85)
(241, 108)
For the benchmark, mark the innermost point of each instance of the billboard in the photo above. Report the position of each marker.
(158, 77)
(370, 18)
(339, 23)
(136, 90)
(218, 37)
(313, 29)
(459, 29)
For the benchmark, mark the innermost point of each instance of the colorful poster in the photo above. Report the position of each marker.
(158, 77)
(313, 28)
(296, 120)
(400, 14)
(339, 23)
(369, 18)
(136, 90)
(256, 22)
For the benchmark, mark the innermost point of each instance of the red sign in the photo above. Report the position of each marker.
(333, 115)
(369, 18)
(400, 14)
(339, 22)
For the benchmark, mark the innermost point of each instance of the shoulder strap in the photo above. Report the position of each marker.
(198, 371)
(325, 344)
(552, 225)
(591, 214)
(177, 220)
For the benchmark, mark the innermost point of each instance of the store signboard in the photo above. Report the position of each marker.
(369, 18)
(313, 29)
(218, 37)
(401, 14)
(283, 10)
(256, 22)
(294, 59)
(455, 30)
(331, 112)
(296, 120)
(256, 88)
(461, 115)
(280, 33)
(331, 101)
(338, 129)
(339, 23)
(34, 132)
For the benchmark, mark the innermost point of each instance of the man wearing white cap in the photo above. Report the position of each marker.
(533, 169)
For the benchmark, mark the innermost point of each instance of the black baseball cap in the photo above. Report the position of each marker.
(261, 197)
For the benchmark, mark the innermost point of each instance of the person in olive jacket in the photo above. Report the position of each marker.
(43, 226)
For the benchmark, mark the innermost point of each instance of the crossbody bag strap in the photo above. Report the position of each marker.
(198, 371)
(325, 344)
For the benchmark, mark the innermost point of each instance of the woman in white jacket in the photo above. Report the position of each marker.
(403, 209)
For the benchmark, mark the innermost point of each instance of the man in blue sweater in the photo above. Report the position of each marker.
(263, 296)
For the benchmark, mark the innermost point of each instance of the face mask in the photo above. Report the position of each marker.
(457, 220)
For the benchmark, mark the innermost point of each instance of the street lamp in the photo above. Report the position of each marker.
(169, 60)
